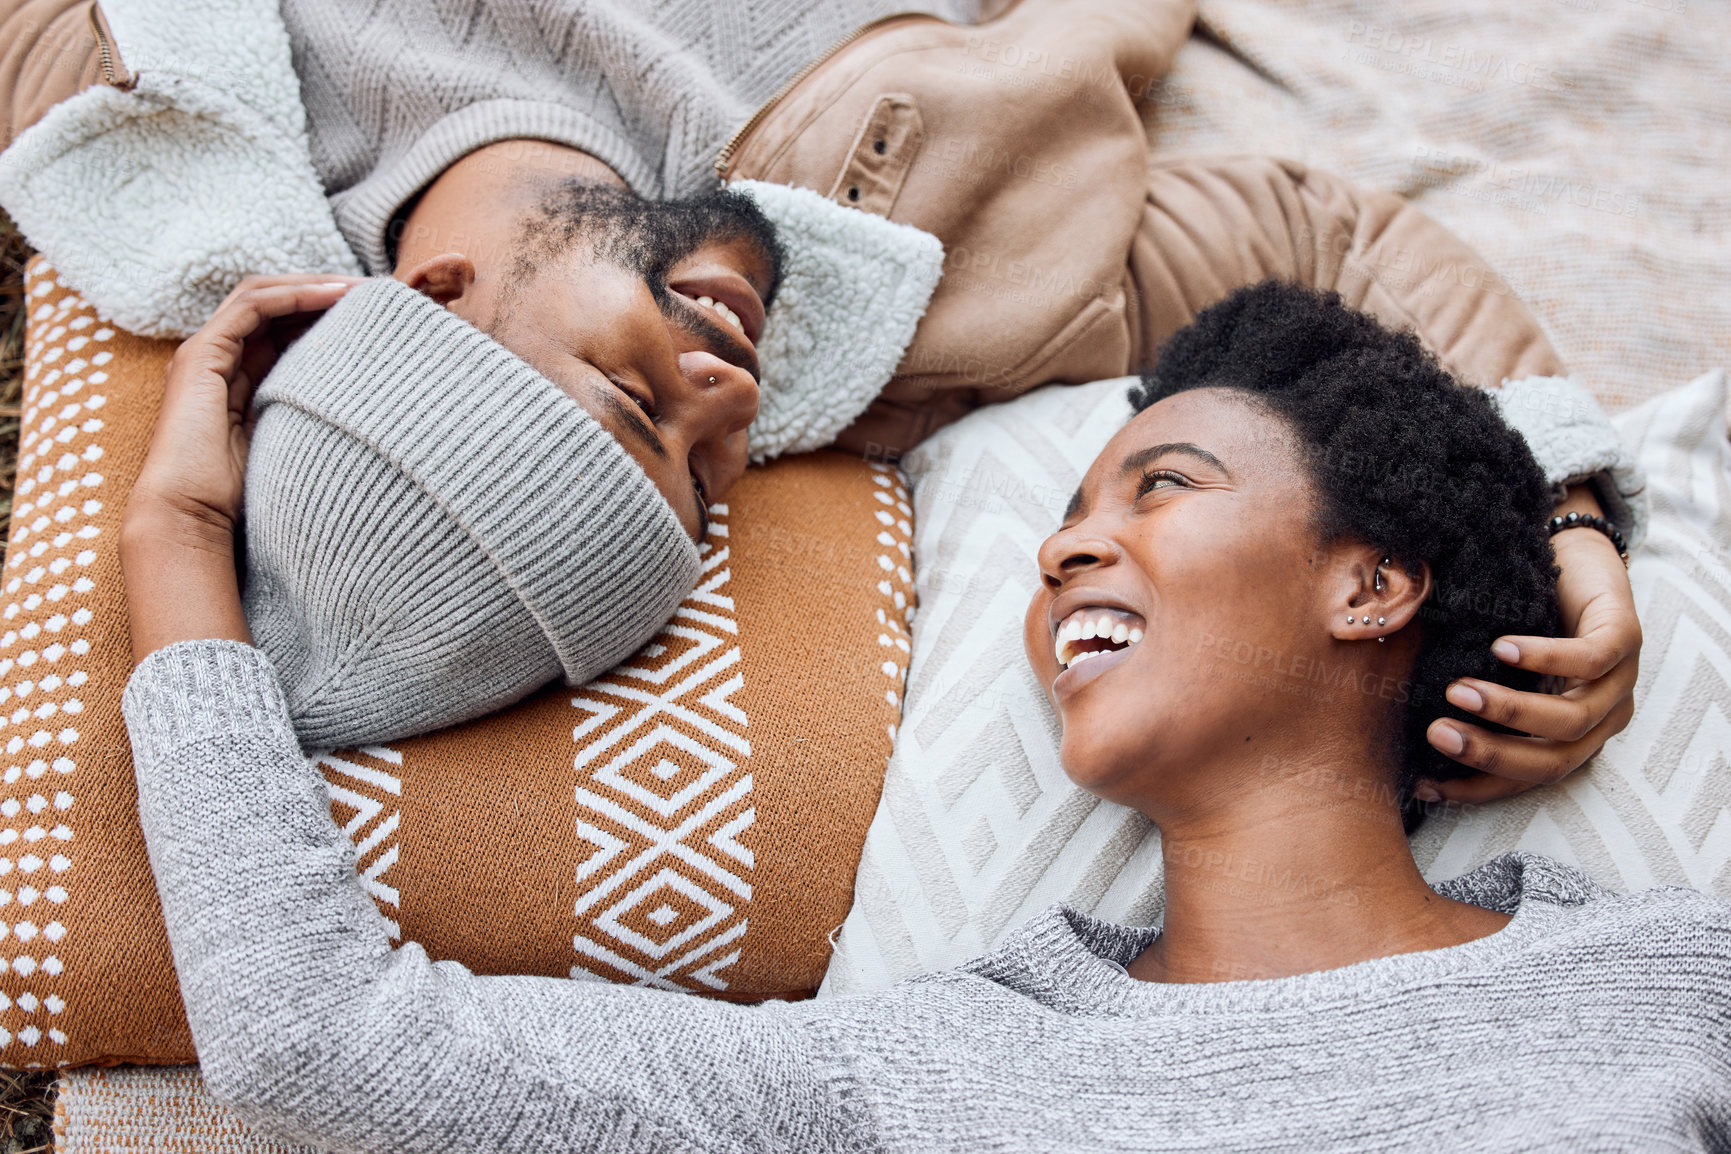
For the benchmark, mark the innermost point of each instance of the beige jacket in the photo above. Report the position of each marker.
(1020, 144)
(1071, 256)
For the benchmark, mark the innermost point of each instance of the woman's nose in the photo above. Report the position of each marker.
(1070, 552)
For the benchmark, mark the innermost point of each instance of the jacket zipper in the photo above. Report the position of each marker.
(111, 69)
(724, 158)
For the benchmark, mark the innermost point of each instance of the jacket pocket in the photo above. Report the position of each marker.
(882, 152)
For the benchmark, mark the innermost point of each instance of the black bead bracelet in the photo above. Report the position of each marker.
(1582, 521)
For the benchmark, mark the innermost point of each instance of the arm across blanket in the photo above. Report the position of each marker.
(310, 1023)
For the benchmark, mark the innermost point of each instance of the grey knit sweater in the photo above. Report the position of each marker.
(396, 90)
(1591, 1022)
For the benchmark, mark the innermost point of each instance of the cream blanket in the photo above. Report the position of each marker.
(1582, 145)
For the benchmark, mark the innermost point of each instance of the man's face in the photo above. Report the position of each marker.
(645, 314)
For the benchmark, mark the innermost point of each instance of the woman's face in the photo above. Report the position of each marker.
(1183, 601)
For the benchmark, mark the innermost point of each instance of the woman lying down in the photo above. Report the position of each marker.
(1307, 990)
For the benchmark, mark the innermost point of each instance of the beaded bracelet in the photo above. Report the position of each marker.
(1582, 521)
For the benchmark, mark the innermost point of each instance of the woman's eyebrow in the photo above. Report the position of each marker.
(1142, 458)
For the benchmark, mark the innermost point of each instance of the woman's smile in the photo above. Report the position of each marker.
(1090, 640)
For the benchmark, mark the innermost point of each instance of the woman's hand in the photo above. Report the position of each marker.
(177, 534)
(1599, 660)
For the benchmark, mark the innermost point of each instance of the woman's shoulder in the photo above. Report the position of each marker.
(1670, 927)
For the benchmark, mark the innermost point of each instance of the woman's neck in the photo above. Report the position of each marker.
(1292, 881)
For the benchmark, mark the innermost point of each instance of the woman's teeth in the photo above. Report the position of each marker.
(1104, 626)
(722, 311)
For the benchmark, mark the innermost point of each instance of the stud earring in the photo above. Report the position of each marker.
(1380, 640)
(1382, 621)
(1349, 620)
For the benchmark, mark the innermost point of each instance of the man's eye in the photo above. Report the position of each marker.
(641, 399)
(1159, 479)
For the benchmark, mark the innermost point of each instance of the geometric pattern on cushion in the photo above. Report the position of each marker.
(692, 820)
(1654, 806)
(979, 829)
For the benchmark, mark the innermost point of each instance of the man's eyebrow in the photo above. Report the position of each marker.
(632, 418)
(1142, 458)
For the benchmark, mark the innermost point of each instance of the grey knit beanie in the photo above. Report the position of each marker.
(434, 530)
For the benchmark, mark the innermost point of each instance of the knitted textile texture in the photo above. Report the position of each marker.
(1588, 1022)
(434, 530)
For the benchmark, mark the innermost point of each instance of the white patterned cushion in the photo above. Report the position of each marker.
(979, 829)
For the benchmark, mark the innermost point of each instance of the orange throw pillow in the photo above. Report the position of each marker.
(691, 821)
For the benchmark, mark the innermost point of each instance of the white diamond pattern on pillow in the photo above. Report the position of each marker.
(1654, 807)
(979, 829)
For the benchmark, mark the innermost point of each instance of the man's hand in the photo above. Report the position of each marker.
(177, 534)
(1600, 660)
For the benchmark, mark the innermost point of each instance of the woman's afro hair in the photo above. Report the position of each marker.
(1401, 457)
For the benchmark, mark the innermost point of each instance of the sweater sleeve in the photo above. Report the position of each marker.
(313, 1027)
(1573, 441)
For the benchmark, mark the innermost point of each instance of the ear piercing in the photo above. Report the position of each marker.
(1376, 584)
(1366, 621)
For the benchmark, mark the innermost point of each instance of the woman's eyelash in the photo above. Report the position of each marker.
(1150, 476)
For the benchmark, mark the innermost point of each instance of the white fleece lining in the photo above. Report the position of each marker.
(154, 203)
(853, 290)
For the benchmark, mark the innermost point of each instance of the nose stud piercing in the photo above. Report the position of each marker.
(712, 380)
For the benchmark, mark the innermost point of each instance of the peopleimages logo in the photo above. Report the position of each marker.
(1457, 65)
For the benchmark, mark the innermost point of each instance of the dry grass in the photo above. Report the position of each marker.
(26, 1098)
(13, 254)
(26, 1112)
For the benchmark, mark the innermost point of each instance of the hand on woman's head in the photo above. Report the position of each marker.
(1327, 444)
(1190, 621)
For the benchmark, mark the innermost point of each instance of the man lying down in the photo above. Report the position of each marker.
(433, 529)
